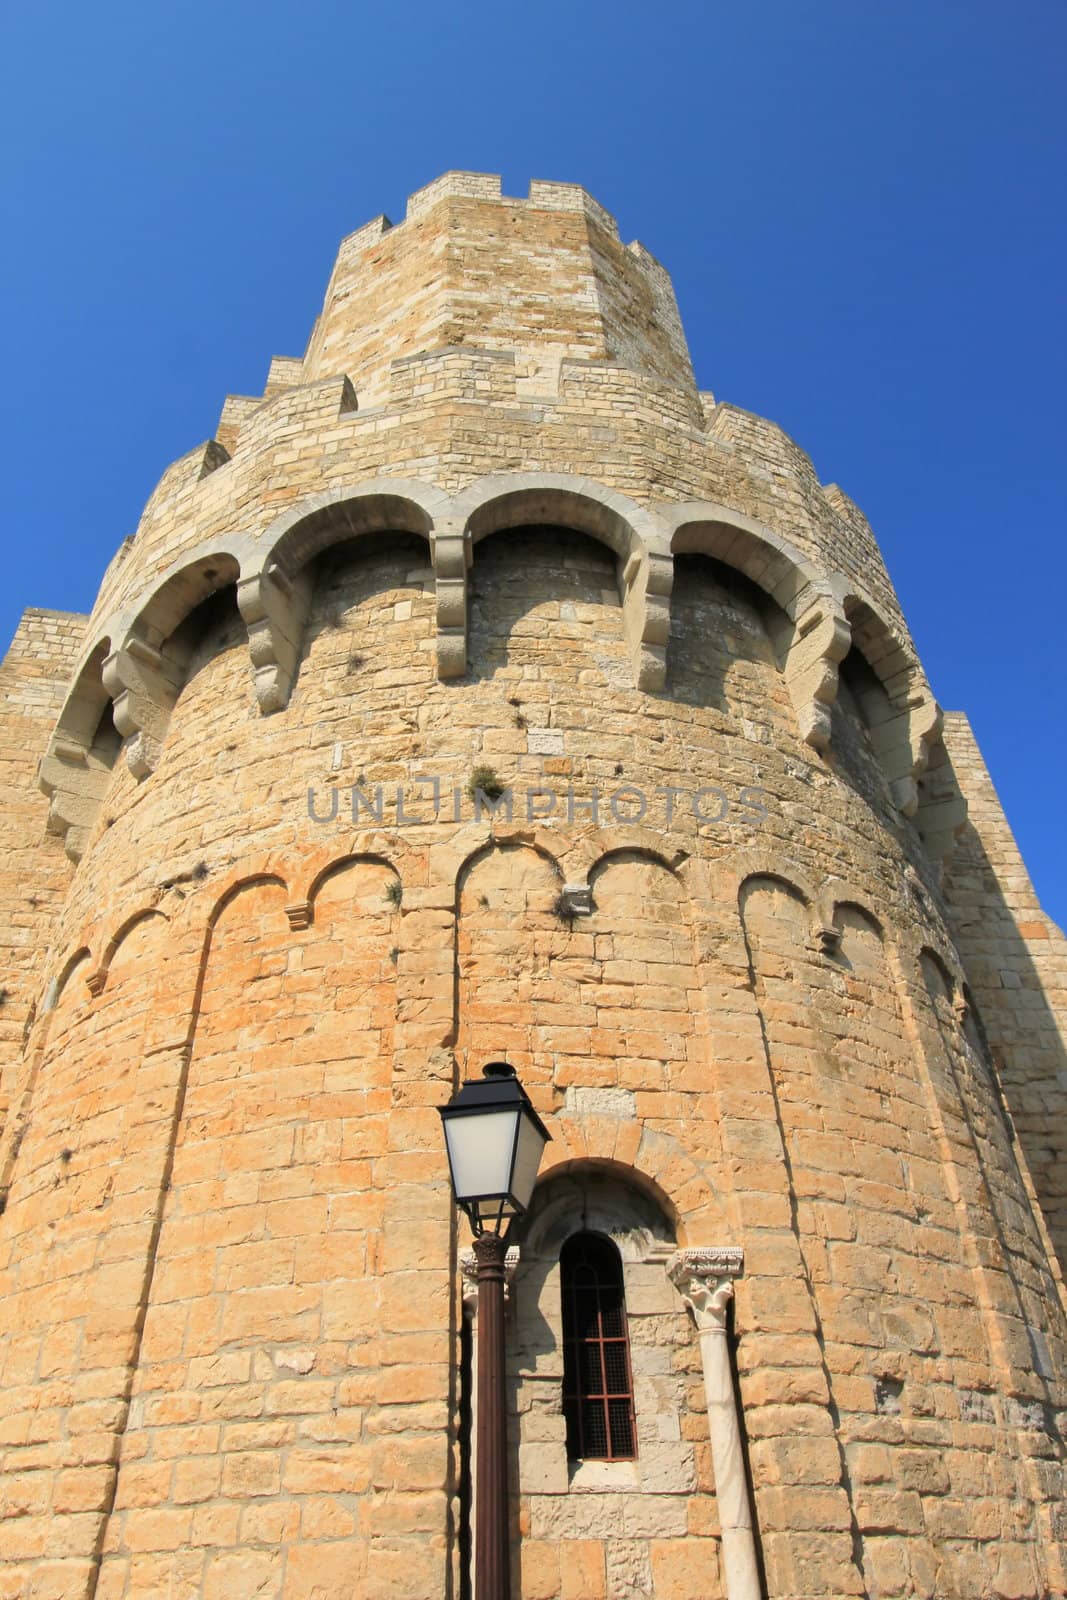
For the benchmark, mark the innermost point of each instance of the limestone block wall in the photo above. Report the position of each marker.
(34, 871)
(723, 918)
(1016, 960)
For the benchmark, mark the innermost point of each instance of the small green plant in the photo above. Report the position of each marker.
(394, 954)
(355, 661)
(394, 892)
(485, 780)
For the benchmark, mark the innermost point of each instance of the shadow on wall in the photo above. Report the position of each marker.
(535, 593)
(1013, 1012)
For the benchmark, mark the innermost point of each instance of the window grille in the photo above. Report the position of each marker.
(597, 1383)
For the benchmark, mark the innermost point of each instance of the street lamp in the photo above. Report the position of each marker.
(494, 1140)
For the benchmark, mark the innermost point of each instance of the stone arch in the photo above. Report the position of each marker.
(82, 956)
(241, 884)
(705, 527)
(450, 860)
(583, 856)
(561, 1180)
(180, 591)
(513, 500)
(275, 592)
(370, 607)
(117, 945)
(538, 843)
(752, 866)
(769, 905)
(860, 935)
(674, 1178)
(725, 656)
(76, 769)
(308, 892)
(525, 499)
(381, 505)
(809, 633)
(147, 669)
(936, 974)
(893, 698)
(842, 907)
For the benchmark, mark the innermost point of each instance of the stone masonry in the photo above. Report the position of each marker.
(483, 689)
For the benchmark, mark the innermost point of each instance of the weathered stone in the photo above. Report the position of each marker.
(486, 688)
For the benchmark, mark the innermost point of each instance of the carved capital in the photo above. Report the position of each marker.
(468, 1267)
(704, 1277)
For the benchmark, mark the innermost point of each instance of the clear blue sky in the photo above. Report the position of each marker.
(861, 204)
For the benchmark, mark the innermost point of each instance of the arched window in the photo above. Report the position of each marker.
(598, 1396)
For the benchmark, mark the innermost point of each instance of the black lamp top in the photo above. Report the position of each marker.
(497, 1089)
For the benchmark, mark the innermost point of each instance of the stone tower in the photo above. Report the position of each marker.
(483, 689)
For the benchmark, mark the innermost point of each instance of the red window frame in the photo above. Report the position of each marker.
(598, 1391)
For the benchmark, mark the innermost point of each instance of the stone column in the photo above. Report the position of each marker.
(704, 1279)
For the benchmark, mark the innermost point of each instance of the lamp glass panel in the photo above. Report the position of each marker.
(527, 1161)
(479, 1152)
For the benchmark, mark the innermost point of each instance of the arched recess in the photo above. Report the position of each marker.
(941, 812)
(148, 668)
(65, 990)
(723, 657)
(76, 769)
(126, 941)
(369, 626)
(514, 957)
(648, 1025)
(894, 700)
(541, 595)
(275, 591)
(270, 1262)
(644, 567)
(665, 1490)
(936, 976)
(860, 940)
(808, 629)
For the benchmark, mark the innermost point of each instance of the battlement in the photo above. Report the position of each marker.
(542, 196)
(544, 274)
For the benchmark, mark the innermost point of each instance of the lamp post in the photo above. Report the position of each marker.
(494, 1140)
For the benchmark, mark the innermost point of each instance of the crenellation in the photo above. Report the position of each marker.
(486, 689)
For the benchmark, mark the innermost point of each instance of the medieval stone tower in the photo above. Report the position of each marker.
(484, 689)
